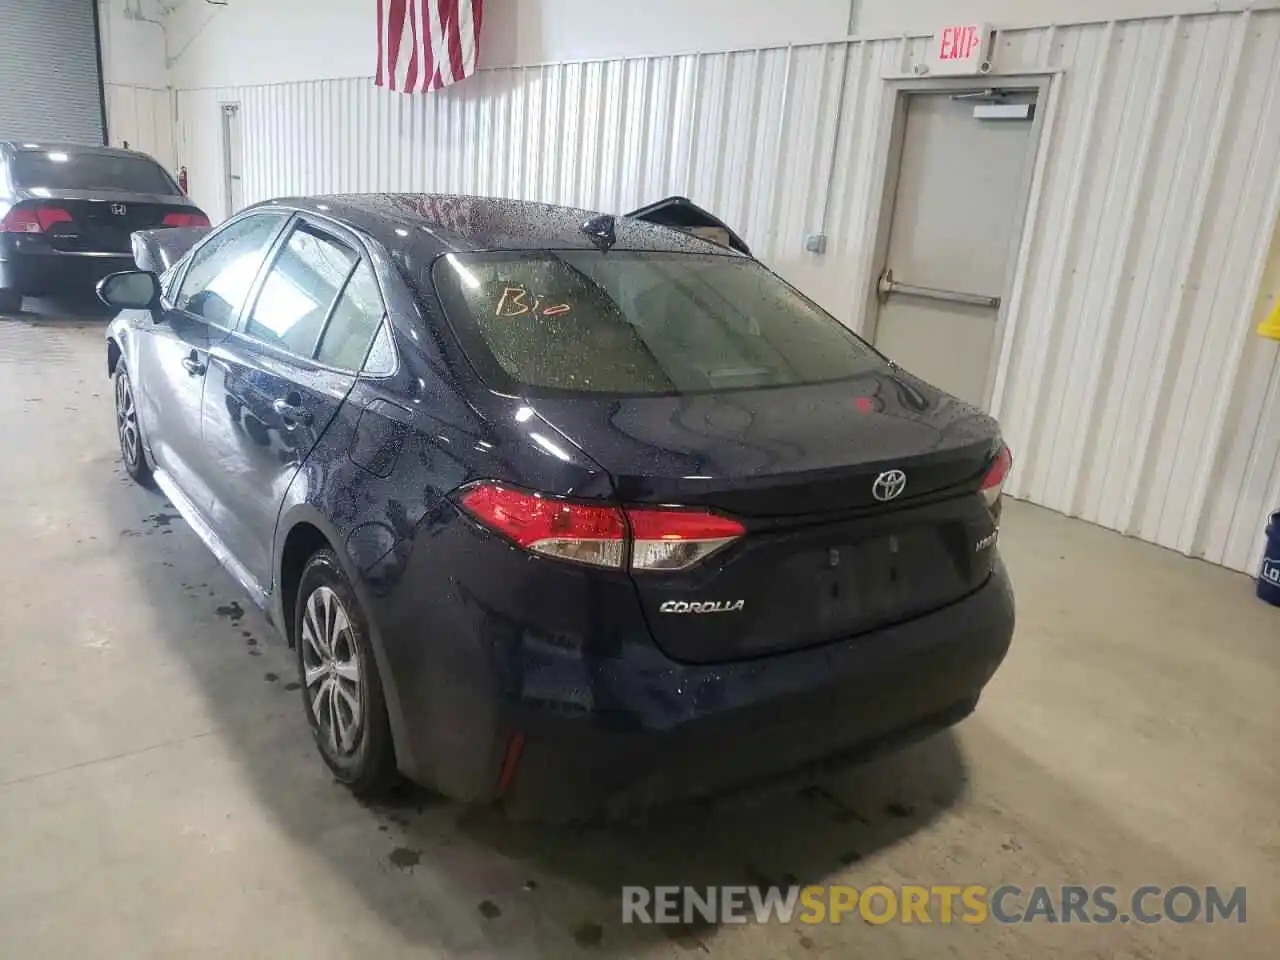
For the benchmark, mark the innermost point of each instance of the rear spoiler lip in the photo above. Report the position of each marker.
(159, 249)
(690, 211)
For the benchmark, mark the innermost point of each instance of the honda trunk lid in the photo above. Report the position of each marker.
(81, 221)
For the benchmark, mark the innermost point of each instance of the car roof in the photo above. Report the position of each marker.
(44, 146)
(420, 226)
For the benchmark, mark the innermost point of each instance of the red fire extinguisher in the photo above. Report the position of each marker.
(182, 180)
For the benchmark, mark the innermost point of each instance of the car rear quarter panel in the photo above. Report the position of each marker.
(376, 486)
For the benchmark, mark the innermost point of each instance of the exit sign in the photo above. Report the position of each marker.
(960, 49)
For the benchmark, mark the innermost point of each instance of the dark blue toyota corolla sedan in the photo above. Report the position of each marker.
(577, 512)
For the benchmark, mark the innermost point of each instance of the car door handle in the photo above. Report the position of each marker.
(192, 365)
(291, 413)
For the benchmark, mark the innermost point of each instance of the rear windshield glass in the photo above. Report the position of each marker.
(68, 170)
(639, 323)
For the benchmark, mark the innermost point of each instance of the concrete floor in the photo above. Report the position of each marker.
(159, 795)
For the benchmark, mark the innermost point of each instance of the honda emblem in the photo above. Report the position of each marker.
(119, 209)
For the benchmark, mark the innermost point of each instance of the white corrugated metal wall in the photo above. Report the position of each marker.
(143, 118)
(1130, 382)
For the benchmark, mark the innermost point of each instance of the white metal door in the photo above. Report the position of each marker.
(956, 217)
(231, 157)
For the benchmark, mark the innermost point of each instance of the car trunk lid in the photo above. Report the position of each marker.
(103, 222)
(824, 555)
(681, 213)
(158, 250)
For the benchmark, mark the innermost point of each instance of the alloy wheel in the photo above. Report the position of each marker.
(331, 671)
(127, 420)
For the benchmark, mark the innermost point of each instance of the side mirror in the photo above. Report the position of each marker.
(130, 290)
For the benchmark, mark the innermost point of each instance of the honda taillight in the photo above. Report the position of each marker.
(604, 536)
(997, 473)
(38, 219)
(185, 220)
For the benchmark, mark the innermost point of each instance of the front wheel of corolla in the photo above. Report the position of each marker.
(130, 433)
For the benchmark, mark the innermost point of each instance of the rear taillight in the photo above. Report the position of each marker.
(555, 528)
(602, 536)
(675, 539)
(37, 219)
(185, 220)
(997, 473)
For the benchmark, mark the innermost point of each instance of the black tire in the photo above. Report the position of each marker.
(129, 430)
(10, 301)
(362, 756)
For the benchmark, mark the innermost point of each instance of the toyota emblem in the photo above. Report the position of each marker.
(889, 485)
(119, 209)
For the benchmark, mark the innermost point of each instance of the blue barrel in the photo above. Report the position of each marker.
(1269, 576)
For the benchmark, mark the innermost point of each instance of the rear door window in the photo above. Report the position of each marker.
(75, 170)
(636, 323)
(355, 320)
(222, 270)
(309, 272)
(381, 360)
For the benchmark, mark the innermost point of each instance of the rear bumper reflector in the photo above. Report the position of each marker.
(510, 760)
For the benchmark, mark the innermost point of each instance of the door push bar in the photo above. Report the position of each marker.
(888, 285)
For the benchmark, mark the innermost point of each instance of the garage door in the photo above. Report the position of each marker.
(50, 76)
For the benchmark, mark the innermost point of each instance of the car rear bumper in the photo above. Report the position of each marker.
(563, 732)
(766, 717)
(41, 274)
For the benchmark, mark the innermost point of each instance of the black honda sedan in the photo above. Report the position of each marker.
(67, 212)
(579, 512)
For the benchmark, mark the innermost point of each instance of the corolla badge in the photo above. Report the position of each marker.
(889, 485)
(710, 606)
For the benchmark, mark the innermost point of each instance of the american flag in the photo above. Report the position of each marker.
(425, 45)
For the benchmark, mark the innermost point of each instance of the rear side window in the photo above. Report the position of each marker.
(381, 361)
(74, 170)
(355, 320)
(223, 269)
(300, 288)
(640, 323)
